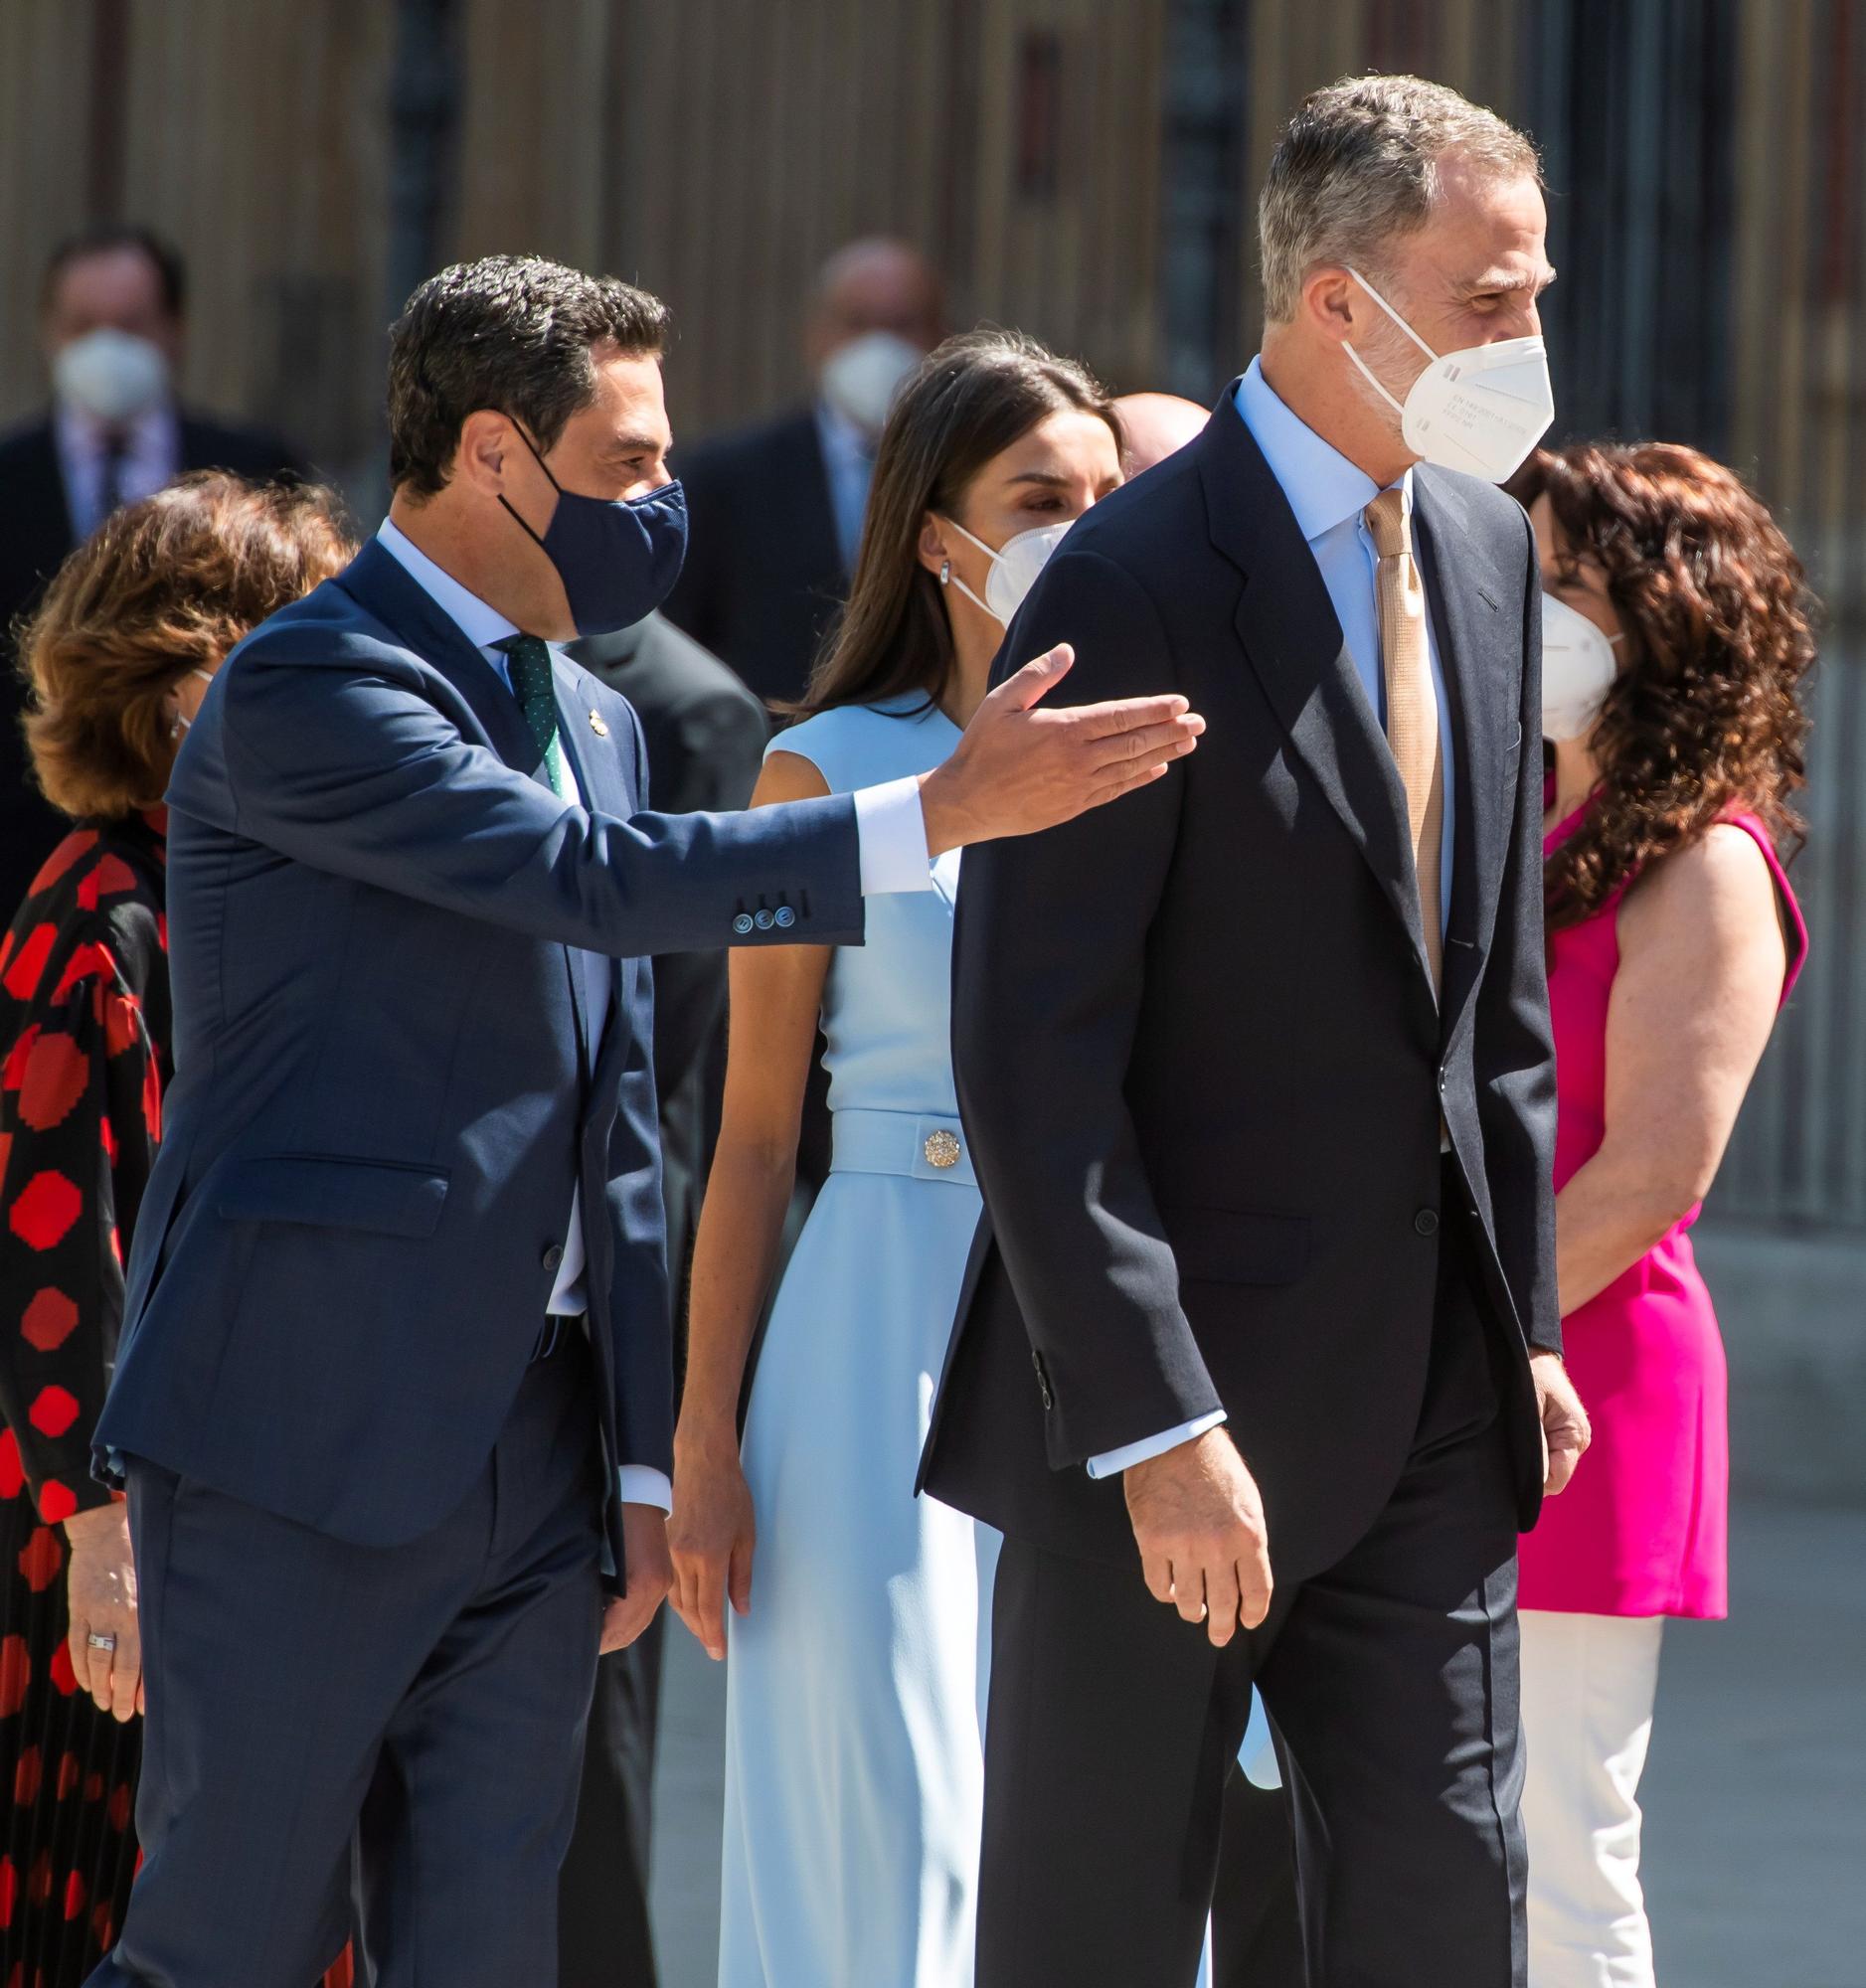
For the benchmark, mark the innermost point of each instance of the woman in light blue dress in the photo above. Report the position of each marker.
(860, 1621)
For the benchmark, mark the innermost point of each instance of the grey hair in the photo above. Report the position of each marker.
(1358, 164)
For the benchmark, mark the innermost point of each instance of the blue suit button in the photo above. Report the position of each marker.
(1426, 1222)
(741, 924)
(785, 917)
(765, 921)
(554, 1257)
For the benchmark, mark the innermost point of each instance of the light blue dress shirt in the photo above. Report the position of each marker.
(849, 464)
(1329, 497)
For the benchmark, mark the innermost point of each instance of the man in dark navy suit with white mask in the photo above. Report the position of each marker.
(396, 1361)
(1260, 1369)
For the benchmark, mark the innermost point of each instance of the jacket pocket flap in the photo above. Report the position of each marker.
(385, 1197)
(1223, 1246)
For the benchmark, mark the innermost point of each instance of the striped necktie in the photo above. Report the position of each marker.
(1412, 710)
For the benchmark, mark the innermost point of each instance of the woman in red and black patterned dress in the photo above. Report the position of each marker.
(117, 658)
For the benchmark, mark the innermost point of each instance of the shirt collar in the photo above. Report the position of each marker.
(152, 433)
(839, 439)
(1323, 487)
(482, 625)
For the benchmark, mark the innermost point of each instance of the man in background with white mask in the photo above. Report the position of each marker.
(1258, 1083)
(112, 326)
(776, 507)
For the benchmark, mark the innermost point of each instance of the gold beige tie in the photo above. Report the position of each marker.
(1412, 709)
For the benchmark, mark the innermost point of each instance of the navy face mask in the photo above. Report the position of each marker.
(618, 560)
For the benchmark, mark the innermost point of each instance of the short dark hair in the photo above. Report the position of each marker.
(103, 239)
(511, 333)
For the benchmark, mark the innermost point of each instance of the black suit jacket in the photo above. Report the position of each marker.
(35, 535)
(763, 575)
(1210, 1152)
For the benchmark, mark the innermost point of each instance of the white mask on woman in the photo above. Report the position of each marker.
(1014, 568)
(1578, 670)
(1480, 410)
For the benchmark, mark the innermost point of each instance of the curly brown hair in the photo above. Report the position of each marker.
(1704, 718)
(162, 587)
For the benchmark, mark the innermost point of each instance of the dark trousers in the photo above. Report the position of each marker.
(1391, 1679)
(411, 1715)
(604, 1937)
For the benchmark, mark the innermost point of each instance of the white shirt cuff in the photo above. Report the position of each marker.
(893, 833)
(1112, 1462)
(637, 1484)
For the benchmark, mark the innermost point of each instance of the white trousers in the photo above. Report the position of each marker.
(1588, 1685)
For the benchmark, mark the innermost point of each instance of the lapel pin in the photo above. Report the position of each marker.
(598, 725)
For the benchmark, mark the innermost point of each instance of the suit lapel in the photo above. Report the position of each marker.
(1471, 634)
(378, 580)
(1286, 626)
(596, 763)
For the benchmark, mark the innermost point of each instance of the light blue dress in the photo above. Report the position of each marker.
(855, 1688)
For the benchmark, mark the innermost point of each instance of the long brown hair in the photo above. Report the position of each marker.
(1705, 716)
(966, 402)
(161, 587)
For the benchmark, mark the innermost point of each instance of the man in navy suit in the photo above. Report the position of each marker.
(396, 1360)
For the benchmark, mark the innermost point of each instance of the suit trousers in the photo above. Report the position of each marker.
(605, 1933)
(408, 1720)
(1390, 1679)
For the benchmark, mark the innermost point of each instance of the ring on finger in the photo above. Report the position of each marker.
(96, 1642)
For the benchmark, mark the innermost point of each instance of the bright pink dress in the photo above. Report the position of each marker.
(1642, 1528)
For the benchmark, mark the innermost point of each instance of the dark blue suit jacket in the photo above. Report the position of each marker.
(385, 1091)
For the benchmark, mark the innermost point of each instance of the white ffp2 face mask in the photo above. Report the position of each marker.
(1578, 670)
(183, 723)
(1480, 410)
(1015, 565)
(113, 376)
(859, 380)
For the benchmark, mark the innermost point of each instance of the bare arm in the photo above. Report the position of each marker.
(775, 998)
(1701, 966)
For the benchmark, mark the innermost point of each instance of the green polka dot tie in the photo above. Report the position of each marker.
(529, 661)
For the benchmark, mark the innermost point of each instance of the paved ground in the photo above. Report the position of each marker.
(1756, 1792)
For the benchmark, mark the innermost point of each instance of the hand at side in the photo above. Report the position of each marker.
(1199, 1524)
(714, 1535)
(648, 1575)
(100, 1584)
(1566, 1433)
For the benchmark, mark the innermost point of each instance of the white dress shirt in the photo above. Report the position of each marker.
(1329, 497)
(893, 839)
(151, 457)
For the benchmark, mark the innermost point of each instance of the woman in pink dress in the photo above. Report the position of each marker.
(1676, 633)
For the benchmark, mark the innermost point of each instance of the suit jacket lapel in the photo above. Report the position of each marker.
(600, 780)
(1474, 640)
(1286, 626)
(379, 580)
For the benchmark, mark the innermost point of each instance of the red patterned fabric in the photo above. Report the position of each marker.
(84, 1062)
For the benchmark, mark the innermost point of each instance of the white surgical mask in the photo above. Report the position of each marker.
(111, 375)
(1578, 670)
(1014, 568)
(861, 378)
(183, 723)
(1481, 410)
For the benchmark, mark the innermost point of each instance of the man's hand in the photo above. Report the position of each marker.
(101, 1584)
(1566, 1433)
(650, 1573)
(1018, 769)
(1199, 1524)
